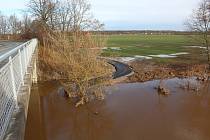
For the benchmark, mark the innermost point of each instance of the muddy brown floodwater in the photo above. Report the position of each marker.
(129, 112)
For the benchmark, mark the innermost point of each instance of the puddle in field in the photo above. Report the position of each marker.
(200, 47)
(174, 55)
(130, 59)
(129, 112)
(141, 57)
(112, 48)
(181, 53)
(163, 56)
(125, 59)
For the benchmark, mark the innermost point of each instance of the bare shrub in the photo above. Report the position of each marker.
(71, 60)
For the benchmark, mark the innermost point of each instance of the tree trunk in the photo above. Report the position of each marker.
(208, 55)
(207, 48)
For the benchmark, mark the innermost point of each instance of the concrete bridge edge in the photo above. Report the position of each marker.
(16, 128)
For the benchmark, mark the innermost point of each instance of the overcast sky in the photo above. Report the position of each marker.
(130, 14)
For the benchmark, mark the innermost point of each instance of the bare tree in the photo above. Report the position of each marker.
(82, 18)
(26, 22)
(10, 25)
(42, 9)
(14, 24)
(200, 22)
(3, 24)
(80, 14)
(64, 15)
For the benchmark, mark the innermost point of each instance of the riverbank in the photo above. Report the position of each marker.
(147, 70)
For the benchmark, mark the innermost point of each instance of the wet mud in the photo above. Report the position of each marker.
(147, 70)
(129, 112)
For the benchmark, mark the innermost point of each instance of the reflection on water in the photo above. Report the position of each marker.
(129, 112)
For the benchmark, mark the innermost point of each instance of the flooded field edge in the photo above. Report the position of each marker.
(130, 111)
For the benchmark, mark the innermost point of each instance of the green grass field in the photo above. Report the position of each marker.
(132, 45)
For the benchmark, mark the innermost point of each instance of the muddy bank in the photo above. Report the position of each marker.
(147, 70)
(130, 111)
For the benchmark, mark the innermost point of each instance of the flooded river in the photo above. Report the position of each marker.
(129, 112)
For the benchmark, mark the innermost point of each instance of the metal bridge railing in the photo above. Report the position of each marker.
(12, 75)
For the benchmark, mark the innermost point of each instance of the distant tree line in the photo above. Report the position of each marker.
(10, 24)
(149, 32)
(57, 15)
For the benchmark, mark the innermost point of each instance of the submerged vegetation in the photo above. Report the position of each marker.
(74, 63)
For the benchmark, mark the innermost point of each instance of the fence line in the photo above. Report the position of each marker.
(12, 75)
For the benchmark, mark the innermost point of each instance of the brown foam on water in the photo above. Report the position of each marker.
(129, 112)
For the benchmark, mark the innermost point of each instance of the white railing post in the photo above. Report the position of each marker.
(12, 79)
(25, 57)
(21, 67)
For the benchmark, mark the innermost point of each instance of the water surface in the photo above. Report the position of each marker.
(129, 112)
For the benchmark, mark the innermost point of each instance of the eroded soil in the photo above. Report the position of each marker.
(147, 70)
